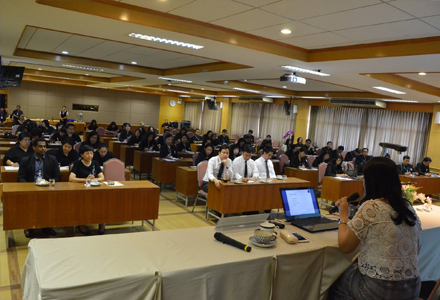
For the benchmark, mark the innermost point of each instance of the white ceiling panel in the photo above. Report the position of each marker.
(365, 16)
(320, 40)
(27, 35)
(299, 10)
(257, 3)
(104, 49)
(192, 60)
(77, 44)
(309, 86)
(210, 10)
(166, 55)
(143, 50)
(434, 21)
(297, 28)
(46, 40)
(123, 57)
(390, 31)
(250, 20)
(418, 9)
(430, 79)
(159, 5)
(199, 87)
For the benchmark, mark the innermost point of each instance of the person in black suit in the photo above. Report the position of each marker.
(334, 167)
(251, 137)
(197, 137)
(179, 135)
(405, 168)
(168, 150)
(337, 152)
(136, 138)
(323, 157)
(183, 145)
(70, 133)
(299, 159)
(148, 143)
(206, 154)
(102, 154)
(161, 139)
(310, 148)
(362, 159)
(352, 154)
(223, 139)
(16, 115)
(266, 142)
(422, 168)
(39, 165)
(126, 133)
(92, 126)
(328, 148)
(65, 155)
(112, 127)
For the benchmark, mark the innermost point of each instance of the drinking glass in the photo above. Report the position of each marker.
(284, 178)
(52, 183)
(88, 182)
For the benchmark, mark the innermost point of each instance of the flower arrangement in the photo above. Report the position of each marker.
(411, 195)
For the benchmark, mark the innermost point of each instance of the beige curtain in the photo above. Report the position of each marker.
(193, 113)
(275, 122)
(245, 116)
(211, 119)
(354, 127)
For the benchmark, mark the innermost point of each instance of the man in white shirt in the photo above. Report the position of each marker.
(244, 167)
(219, 168)
(265, 165)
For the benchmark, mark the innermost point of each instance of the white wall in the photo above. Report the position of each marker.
(41, 100)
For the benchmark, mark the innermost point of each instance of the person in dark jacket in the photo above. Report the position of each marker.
(102, 154)
(334, 167)
(93, 141)
(149, 143)
(136, 138)
(323, 157)
(405, 168)
(126, 133)
(422, 168)
(266, 142)
(168, 150)
(179, 135)
(21, 149)
(66, 155)
(161, 139)
(362, 159)
(223, 138)
(92, 126)
(183, 145)
(112, 127)
(299, 159)
(352, 154)
(206, 154)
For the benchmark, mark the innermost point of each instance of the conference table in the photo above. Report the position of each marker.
(10, 144)
(186, 183)
(428, 184)
(27, 206)
(127, 154)
(245, 197)
(9, 174)
(164, 170)
(334, 188)
(306, 174)
(143, 161)
(115, 147)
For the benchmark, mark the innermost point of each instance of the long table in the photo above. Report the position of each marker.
(143, 161)
(306, 174)
(11, 175)
(27, 206)
(245, 197)
(428, 185)
(115, 147)
(165, 171)
(127, 154)
(186, 183)
(334, 188)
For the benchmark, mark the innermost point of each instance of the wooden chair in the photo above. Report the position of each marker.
(201, 170)
(274, 144)
(279, 152)
(14, 129)
(284, 159)
(259, 141)
(114, 169)
(101, 130)
(194, 158)
(431, 296)
(77, 146)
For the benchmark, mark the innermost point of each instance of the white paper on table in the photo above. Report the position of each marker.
(116, 183)
(342, 178)
(9, 168)
(152, 151)
(64, 168)
(12, 142)
(169, 159)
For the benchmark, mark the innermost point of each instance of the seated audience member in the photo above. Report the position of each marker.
(93, 141)
(126, 133)
(219, 168)
(39, 165)
(206, 154)
(66, 155)
(148, 143)
(422, 168)
(59, 126)
(223, 138)
(196, 137)
(405, 168)
(136, 138)
(248, 140)
(251, 136)
(299, 159)
(214, 139)
(183, 145)
(36, 134)
(299, 142)
(161, 139)
(122, 127)
(334, 167)
(70, 133)
(21, 149)
(58, 136)
(234, 152)
(112, 127)
(337, 152)
(288, 144)
(165, 124)
(208, 135)
(244, 167)
(168, 150)
(265, 165)
(27, 126)
(150, 129)
(362, 159)
(241, 143)
(323, 157)
(92, 126)
(205, 141)
(266, 142)
(310, 148)
(2, 116)
(352, 154)
(46, 128)
(21, 120)
(102, 154)
(179, 135)
(387, 230)
(86, 168)
(328, 148)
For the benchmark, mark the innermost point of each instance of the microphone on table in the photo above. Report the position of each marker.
(350, 199)
(227, 240)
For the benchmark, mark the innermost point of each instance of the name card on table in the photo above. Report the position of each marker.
(9, 168)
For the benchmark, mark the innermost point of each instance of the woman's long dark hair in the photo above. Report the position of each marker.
(382, 180)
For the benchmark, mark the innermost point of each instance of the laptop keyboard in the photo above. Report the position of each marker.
(312, 221)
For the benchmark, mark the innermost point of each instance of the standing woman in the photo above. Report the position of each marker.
(387, 230)
(63, 115)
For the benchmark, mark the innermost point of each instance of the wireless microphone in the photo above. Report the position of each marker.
(227, 240)
(349, 199)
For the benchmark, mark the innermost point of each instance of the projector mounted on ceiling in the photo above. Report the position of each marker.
(293, 78)
(368, 103)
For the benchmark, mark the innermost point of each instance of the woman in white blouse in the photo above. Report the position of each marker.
(387, 230)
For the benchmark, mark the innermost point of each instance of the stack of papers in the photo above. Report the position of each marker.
(115, 183)
(9, 168)
(170, 159)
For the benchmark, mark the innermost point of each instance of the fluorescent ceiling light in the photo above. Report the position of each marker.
(275, 96)
(246, 90)
(134, 63)
(313, 97)
(57, 77)
(301, 70)
(64, 52)
(184, 96)
(177, 91)
(84, 68)
(228, 96)
(388, 90)
(87, 74)
(175, 79)
(286, 31)
(165, 41)
(422, 73)
(98, 87)
(406, 101)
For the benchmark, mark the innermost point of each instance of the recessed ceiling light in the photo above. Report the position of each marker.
(388, 90)
(203, 89)
(175, 79)
(134, 63)
(165, 41)
(40, 69)
(245, 80)
(284, 87)
(64, 52)
(169, 83)
(313, 97)
(176, 91)
(87, 74)
(301, 70)
(84, 68)
(286, 31)
(405, 101)
(422, 73)
(246, 90)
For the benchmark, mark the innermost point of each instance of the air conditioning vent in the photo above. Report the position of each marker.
(368, 103)
(256, 98)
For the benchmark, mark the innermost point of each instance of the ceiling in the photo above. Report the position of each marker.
(360, 43)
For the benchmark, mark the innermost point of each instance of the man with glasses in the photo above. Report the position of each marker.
(362, 159)
(15, 154)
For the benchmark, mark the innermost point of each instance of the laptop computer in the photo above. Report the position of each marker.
(302, 210)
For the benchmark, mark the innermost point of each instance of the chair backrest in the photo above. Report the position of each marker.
(100, 130)
(260, 152)
(318, 152)
(321, 171)
(236, 137)
(70, 167)
(156, 131)
(77, 146)
(201, 170)
(174, 132)
(279, 152)
(194, 158)
(190, 134)
(259, 141)
(284, 159)
(354, 161)
(343, 155)
(14, 128)
(274, 144)
(310, 160)
(114, 169)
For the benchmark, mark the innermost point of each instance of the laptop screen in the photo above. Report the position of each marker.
(300, 203)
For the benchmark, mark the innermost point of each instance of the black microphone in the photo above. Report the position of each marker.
(227, 240)
(353, 197)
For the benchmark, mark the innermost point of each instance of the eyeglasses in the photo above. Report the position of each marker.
(26, 142)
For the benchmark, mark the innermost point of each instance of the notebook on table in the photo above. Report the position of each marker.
(302, 210)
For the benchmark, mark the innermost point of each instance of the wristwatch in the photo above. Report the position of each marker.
(340, 222)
